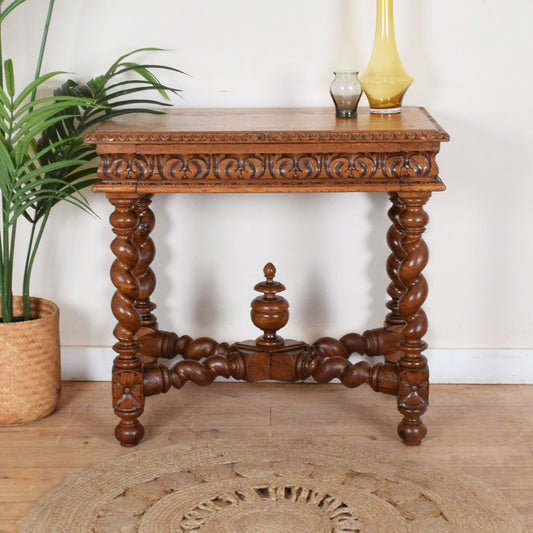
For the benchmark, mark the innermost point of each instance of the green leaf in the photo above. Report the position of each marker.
(159, 67)
(147, 75)
(132, 90)
(80, 150)
(30, 194)
(39, 155)
(89, 171)
(4, 115)
(7, 169)
(115, 114)
(9, 77)
(74, 194)
(38, 116)
(4, 128)
(123, 103)
(35, 84)
(66, 197)
(96, 85)
(114, 66)
(60, 102)
(10, 8)
(32, 129)
(42, 172)
(4, 99)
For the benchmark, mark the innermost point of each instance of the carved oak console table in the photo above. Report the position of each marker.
(259, 151)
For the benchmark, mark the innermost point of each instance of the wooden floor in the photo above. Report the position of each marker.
(484, 430)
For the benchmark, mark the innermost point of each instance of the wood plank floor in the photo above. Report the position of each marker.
(483, 430)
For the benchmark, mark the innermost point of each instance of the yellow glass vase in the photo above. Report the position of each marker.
(385, 81)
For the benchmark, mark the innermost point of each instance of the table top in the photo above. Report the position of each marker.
(268, 150)
(268, 125)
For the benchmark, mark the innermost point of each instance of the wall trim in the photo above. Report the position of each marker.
(483, 366)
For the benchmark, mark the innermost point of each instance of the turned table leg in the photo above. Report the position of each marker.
(146, 249)
(413, 370)
(394, 239)
(394, 322)
(128, 395)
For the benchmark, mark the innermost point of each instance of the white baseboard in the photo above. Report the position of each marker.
(488, 366)
(86, 363)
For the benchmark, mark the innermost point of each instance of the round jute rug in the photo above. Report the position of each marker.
(270, 487)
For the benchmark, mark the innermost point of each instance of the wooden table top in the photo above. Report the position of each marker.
(268, 150)
(268, 125)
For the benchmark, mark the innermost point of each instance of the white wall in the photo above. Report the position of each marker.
(471, 64)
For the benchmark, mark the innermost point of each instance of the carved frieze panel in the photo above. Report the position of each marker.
(270, 166)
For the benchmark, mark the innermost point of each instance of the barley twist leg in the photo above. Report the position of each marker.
(128, 395)
(413, 370)
(146, 248)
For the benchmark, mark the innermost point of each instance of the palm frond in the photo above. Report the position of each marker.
(5, 12)
(43, 158)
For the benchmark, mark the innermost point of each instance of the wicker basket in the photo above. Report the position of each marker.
(30, 369)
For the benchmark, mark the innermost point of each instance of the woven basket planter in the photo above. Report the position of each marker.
(30, 366)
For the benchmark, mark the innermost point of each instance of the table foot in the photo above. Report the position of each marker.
(412, 431)
(129, 432)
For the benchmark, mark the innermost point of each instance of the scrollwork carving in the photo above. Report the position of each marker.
(127, 167)
(184, 167)
(291, 166)
(351, 166)
(270, 166)
(238, 166)
(407, 165)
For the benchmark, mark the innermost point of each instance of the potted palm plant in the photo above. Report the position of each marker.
(43, 162)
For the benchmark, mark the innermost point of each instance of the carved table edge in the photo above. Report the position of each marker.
(150, 187)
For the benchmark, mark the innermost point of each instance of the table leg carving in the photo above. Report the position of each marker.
(217, 359)
(395, 235)
(168, 345)
(413, 370)
(146, 249)
(381, 377)
(159, 378)
(378, 341)
(394, 321)
(128, 394)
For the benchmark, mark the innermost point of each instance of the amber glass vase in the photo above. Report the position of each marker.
(385, 81)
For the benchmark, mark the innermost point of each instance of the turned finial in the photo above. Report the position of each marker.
(269, 271)
(270, 312)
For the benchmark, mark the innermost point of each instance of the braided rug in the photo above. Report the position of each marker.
(270, 487)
